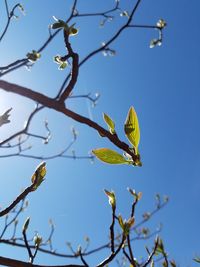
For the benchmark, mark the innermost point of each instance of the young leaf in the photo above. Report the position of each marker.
(26, 224)
(131, 128)
(121, 222)
(111, 197)
(110, 123)
(73, 31)
(38, 176)
(110, 156)
(59, 24)
(197, 259)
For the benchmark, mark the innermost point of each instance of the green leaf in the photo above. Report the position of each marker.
(38, 176)
(131, 128)
(26, 224)
(197, 259)
(73, 31)
(110, 156)
(161, 23)
(37, 240)
(173, 263)
(111, 197)
(121, 222)
(62, 66)
(59, 24)
(33, 56)
(110, 123)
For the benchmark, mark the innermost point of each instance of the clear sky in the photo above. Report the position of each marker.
(163, 86)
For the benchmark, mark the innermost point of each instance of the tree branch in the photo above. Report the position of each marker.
(15, 263)
(57, 105)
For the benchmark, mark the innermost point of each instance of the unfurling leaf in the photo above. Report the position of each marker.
(110, 156)
(137, 196)
(38, 176)
(33, 56)
(131, 222)
(161, 23)
(132, 130)
(110, 123)
(4, 117)
(62, 63)
(197, 259)
(126, 225)
(59, 24)
(26, 224)
(111, 198)
(73, 31)
(160, 248)
(173, 263)
(155, 42)
(37, 240)
(124, 14)
(121, 223)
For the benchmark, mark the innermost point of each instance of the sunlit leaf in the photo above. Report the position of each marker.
(62, 63)
(161, 23)
(73, 31)
(111, 197)
(131, 222)
(62, 66)
(121, 223)
(197, 259)
(37, 240)
(39, 174)
(59, 24)
(124, 14)
(110, 123)
(131, 128)
(110, 156)
(173, 263)
(33, 56)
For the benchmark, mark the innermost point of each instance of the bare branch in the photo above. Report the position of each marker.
(15, 263)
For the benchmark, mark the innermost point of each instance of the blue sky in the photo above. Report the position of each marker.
(163, 86)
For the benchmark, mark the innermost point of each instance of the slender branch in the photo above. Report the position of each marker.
(23, 62)
(7, 9)
(100, 49)
(74, 71)
(103, 14)
(144, 26)
(28, 190)
(112, 234)
(152, 253)
(10, 15)
(37, 109)
(112, 255)
(12, 220)
(126, 254)
(82, 259)
(15, 263)
(27, 247)
(130, 251)
(86, 253)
